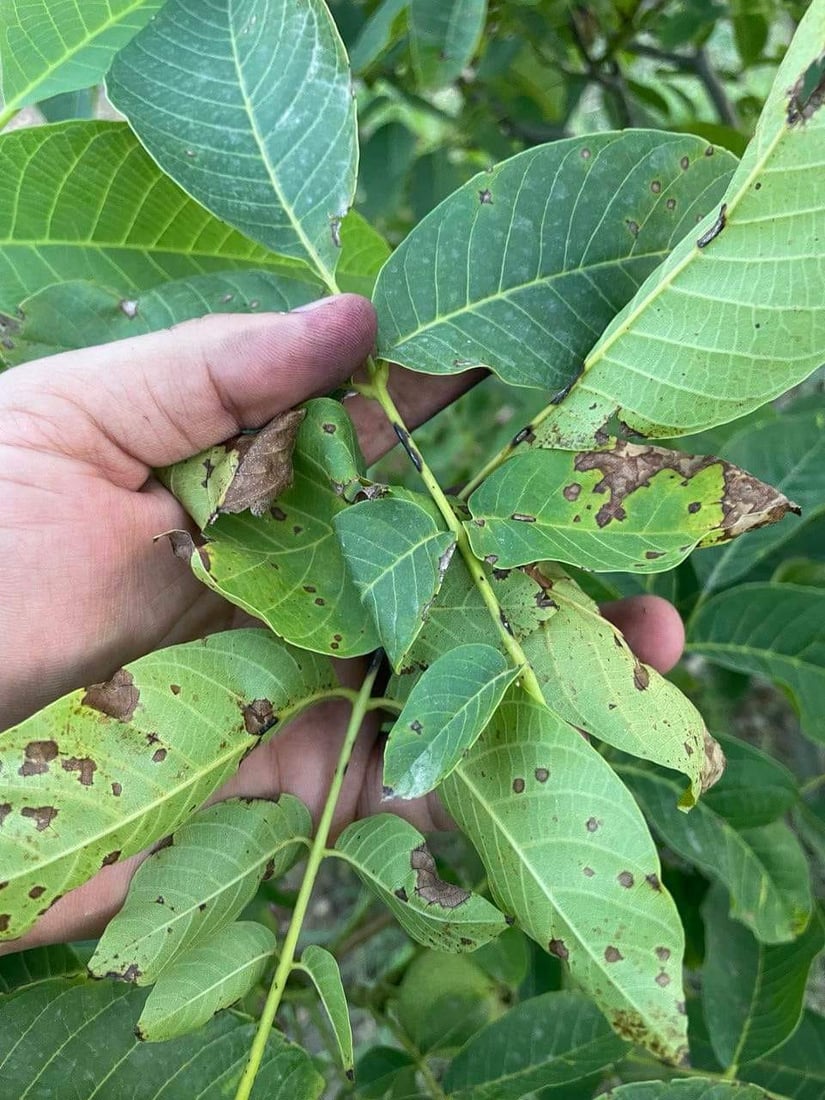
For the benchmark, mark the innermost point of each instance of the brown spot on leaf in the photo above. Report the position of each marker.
(684, 163)
(5, 920)
(130, 974)
(117, 698)
(269, 870)
(518, 785)
(625, 878)
(3, 885)
(330, 429)
(117, 790)
(592, 824)
(588, 872)
(202, 907)
(37, 757)
(714, 763)
(111, 858)
(671, 204)
(681, 1008)
(42, 816)
(5, 810)
(694, 507)
(401, 894)
(542, 775)
(653, 882)
(485, 197)
(428, 884)
(84, 766)
(571, 491)
(158, 756)
(175, 689)
(612, 954)
(501, 574)
(662, 979)
(655, 186)
(264, 465)
(632, 226)
(278, 514)
(416, 726)
(748, 503)
(160, 900)
(651, 555)
(258, 717)
(320, 601)
(808, 93)
(522, 517)
(641, 677)
(36, 892)
(663, 954)
(559, 949)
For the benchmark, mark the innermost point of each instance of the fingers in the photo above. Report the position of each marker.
(162, 397)
(652, 626)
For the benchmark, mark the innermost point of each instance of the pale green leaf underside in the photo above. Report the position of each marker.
(322, 969)
(549, 1040)
(248, 105)
(81, 314)
(789, 454)
(772, 630)
(752, 994)
(568, 853)
(763, 868)
(444, 714)
(83, 788)
(444, 35)
(189, 890)
(719, 330)
(521, 269)
(62, 1030)
(397, 553)
(205, 979)
(83, 200)
(591, 678)
(52, 46)
(621, 506)
(391, 858)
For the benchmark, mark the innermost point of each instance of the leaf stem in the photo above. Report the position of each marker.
(378, 390)
(317, 852)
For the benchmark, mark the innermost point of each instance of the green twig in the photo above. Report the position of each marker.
(285, 962)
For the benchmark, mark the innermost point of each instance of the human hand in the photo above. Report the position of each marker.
(85, 589)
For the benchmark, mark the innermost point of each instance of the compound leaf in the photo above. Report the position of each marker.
(392, 859)
(567, 852)
(521, 268)
(83, 200)
(248, 105)
(190, 889)
(104, 772)
(322, 969)
(621, 506)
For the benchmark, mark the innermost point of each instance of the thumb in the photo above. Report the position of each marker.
(159, 398)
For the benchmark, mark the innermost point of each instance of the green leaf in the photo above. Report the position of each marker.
(322, 969)
(186, 892)
(789, 454)
(378, 1070)
(771, 630)
(797, 1068)
(754, 790)
(62, 1030)
(392, 859)
(568, 853)
(83, 200)
(25, 968)
(593, 680)
(286, 567)
(506, 959)
(444, 36)
(752, 994)
(697, 1088)
(103, 772)
(443, 716)
(259, 83)
(381, 31)
(66, 105)
(45, 51)
(363, 253)
(522, 267)
(397, 552)
(620, 506)
(547, 1041)
(205, 979)
(764, 868)
(708, 337)
(81, 314)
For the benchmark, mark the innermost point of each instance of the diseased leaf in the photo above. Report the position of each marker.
(797, 1068)
(80, 314)
(104, 772)
(189, 890)
(752, 994)
(83, 200)
(397, 552)
(63, 1030)
(550, 1040)
(754, 790)
(790, 454)
(322, 968)
(522, 268)
(709, 337)
(392, 859)
(771, 630)
(285, 567)
(44, 52)
(443, 716)
(620, 506)
(263, 465)
(260, 83)
(444, 36)
(593, 680)
(764, 868)
(567, 852)
(204, 979)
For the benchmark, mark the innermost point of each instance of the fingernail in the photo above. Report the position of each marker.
(312, 305)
